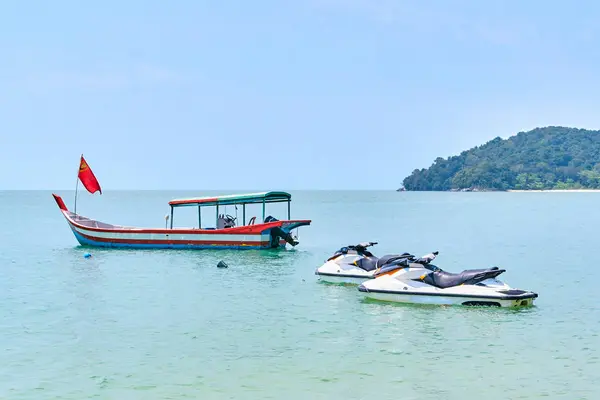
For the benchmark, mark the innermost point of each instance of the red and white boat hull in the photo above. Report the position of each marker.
(90, 232)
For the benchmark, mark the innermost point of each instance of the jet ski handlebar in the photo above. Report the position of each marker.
(427, 258)
(360, 248)
(363, 245)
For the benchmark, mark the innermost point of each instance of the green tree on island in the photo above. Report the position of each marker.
(544, 158)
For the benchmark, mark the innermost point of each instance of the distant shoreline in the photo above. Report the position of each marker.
(511, 191)
(555, 190)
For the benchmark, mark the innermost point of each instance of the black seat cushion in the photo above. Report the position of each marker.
(443, 279)
(367, 263)
(390, 259)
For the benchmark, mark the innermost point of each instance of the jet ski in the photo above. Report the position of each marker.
(424, 283)
(356, 264)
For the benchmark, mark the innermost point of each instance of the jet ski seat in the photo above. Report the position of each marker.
(390, 262)
(368, 263)
(442, 279)
(392, 259)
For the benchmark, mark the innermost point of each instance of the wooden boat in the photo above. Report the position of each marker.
(271, 233)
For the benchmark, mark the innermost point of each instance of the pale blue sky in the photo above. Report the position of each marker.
(319, 94)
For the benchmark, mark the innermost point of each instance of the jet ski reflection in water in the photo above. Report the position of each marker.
(356, 264)
(424, 283)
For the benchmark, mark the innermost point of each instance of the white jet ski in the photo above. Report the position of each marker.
(356, 264)
(423, 283)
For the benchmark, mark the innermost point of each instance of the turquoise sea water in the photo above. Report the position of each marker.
(132, 324)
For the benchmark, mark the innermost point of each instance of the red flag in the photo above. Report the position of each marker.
(88, 178)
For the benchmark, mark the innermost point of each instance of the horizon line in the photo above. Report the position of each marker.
(206, 190)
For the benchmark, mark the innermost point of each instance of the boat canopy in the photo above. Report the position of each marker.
(248, 198)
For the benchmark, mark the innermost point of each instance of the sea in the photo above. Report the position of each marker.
(169, 324)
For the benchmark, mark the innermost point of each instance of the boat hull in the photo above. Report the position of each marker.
(198, 241)
(89, 232)
(523, 300)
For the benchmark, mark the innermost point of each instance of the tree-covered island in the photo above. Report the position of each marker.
(542, 159)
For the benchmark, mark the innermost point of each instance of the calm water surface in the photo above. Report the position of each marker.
(130, 324)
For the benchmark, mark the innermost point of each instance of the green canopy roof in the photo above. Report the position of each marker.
(248, 198)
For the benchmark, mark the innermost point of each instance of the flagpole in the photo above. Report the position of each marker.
(77, 185)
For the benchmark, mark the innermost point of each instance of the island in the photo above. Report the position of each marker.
(548, 158)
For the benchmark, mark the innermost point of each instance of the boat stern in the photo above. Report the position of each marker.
(281, 233)
(294, 224)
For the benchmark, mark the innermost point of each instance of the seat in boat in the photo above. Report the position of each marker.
(225, 221)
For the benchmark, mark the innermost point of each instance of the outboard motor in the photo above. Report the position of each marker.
(270, 218)
(277, 233)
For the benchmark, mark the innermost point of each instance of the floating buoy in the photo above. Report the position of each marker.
(222, 264)
(87, 255)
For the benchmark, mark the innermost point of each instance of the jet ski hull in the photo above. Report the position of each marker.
(511, 298)
(341, 270)
(342, 278)
(355, 264)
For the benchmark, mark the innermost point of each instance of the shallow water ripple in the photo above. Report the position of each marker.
(170, 325)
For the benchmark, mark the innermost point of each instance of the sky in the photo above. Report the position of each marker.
(281, 95)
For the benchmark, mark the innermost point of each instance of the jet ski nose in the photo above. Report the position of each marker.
(362, 288)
